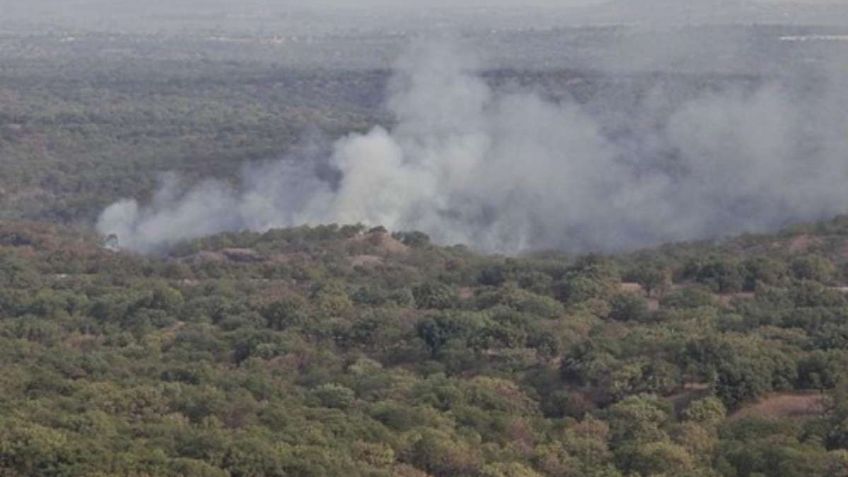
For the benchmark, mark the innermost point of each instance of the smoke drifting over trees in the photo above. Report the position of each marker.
(512, 172)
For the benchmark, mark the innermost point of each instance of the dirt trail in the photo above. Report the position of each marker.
(784, 405)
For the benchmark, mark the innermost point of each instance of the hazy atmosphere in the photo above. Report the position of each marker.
(513, 172)
(447, 238)
(654, 155)
(509, 127)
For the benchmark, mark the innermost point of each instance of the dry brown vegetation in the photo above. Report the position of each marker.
(784, 405)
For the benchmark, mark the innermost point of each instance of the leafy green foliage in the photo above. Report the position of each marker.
(432, 361)
(308, 360)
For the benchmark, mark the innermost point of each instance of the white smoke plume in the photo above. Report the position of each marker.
(514, 172)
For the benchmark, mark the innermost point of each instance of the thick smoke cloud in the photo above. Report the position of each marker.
(514, 172)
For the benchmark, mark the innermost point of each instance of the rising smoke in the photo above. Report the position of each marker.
(511, 172)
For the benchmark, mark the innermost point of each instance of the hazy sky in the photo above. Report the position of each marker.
(368, 14)
(22, 5)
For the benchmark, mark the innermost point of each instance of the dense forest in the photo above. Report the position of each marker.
(348, 350)
(86, 122)
(90, 118)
